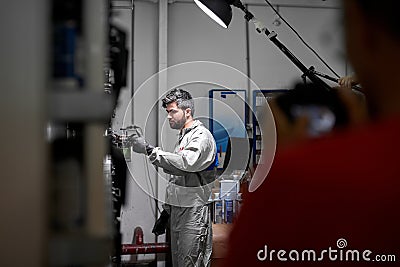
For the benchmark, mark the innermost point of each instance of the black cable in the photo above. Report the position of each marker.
(140, 131)
(301, 39)
(151, 184)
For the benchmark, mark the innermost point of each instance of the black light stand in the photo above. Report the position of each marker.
(333, 79)
(260, 28)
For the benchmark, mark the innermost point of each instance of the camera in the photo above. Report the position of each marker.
(323, 108)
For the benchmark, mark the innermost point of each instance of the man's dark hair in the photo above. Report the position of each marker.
(182, 98)
(385, 13)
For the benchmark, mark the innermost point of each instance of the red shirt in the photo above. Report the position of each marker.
(335, 196)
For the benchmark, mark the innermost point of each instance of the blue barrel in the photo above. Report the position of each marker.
(228, 211)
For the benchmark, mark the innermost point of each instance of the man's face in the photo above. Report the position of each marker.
(176, 116)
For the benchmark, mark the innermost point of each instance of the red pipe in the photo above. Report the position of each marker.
(147, 248)
(138, 236)
(139, 248)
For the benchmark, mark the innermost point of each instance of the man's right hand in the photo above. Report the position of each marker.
(139, 144)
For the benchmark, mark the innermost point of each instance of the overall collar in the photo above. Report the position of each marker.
(184, 131)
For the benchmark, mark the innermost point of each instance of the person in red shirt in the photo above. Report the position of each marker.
(334, 201)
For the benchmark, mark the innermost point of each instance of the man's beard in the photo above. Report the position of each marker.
(178, 124)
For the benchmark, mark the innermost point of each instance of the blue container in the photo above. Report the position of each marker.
(228, 211)
(218, 211)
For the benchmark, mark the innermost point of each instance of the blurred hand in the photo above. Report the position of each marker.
(348, 81)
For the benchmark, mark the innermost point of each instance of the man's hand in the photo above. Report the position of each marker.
(161, 224)
(348, 81)
(139, 144)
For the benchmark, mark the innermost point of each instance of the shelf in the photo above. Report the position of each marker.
(259, 98)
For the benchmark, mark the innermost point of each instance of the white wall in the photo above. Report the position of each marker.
(140, 208)
(194, 37)
(319, 27)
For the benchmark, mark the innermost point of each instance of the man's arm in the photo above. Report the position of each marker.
(173, 171)
(198, 154)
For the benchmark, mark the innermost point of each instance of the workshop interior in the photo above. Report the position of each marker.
(81, 76)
